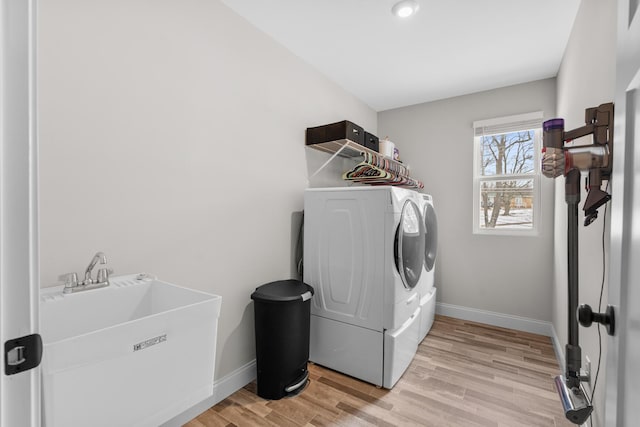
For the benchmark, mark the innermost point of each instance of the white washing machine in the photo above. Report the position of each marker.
(364, 255)
(426, 286)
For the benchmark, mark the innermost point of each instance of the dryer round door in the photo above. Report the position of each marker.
(409, 244)
(431, 237)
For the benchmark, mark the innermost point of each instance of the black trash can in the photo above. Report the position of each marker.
(282, 315)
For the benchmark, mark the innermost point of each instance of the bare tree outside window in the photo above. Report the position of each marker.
(507, 199)
(506, 176)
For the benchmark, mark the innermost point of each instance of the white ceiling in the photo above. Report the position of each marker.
(449, 48)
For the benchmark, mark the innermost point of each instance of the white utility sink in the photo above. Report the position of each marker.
(135, 353)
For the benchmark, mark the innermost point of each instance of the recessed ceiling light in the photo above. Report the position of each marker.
(405, 8)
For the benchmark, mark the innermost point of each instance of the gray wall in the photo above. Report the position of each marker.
(172, 139)
(510, 275)
(585, 80)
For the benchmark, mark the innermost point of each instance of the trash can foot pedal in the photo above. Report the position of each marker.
(299, 384)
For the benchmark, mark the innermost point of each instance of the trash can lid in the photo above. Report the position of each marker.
(283, 291)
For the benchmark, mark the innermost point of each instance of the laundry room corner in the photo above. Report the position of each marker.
(477, 275)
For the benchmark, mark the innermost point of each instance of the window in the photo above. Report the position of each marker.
(506, 176)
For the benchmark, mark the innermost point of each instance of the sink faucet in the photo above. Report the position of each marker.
(71, 283)
(87, 274)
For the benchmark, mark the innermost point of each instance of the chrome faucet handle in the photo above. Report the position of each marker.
(87, 274)
(70, 280)
(103, 275)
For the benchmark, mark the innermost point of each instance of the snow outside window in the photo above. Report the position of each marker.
(506, 175)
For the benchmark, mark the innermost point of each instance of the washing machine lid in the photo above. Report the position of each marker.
(409, 244)
(431, 236)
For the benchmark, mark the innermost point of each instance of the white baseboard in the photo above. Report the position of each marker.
(229, 384)
(222, 388)
(558, 348)
(496, 319)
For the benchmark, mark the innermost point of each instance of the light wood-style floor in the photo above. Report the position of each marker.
(464, 374)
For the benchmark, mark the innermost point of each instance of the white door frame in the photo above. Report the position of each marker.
(19, 266)
(623, 366)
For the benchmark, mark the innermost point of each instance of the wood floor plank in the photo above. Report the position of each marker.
(464, 374)
(356, 393)
(194, 423)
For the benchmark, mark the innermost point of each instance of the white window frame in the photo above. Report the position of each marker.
(503, 125)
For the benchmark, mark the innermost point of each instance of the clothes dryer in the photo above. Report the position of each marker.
(364, 255)
(426, 286)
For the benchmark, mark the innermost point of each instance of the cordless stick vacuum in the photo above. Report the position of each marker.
(595, 159)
